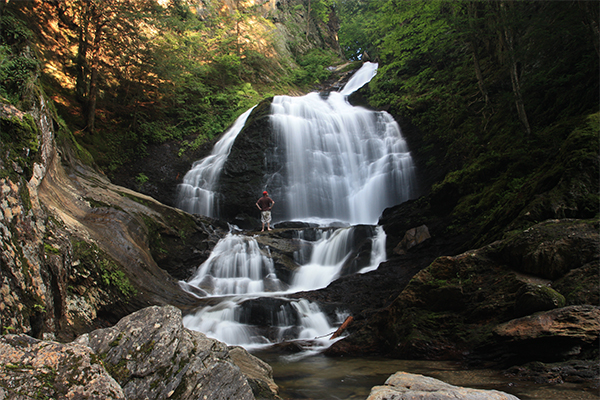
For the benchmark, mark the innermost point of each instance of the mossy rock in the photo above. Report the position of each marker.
(534, 298)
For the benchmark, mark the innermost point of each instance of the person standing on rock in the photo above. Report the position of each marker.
(264, 204)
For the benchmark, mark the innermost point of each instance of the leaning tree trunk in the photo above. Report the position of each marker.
(506, 35)
(93, 89)
(514, 77)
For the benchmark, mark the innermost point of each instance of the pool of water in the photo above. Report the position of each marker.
(321, 378)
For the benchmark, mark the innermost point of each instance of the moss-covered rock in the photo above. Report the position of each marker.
(450, 309)
(534, 298)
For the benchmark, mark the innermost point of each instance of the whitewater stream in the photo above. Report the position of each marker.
(343, 166)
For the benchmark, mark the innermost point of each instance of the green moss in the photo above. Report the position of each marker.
(50, 249)
(116, 342)
(147, 347)
(119, 371)
(19, 141)
(113, 276)
(107, 271)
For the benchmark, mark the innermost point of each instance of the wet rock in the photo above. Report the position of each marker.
(411, 238)
(577, 371)
(258, 373)
(241, 182)
(405, 386)
(449, 309)
(31, 367)
(552, 248)
(580, 285)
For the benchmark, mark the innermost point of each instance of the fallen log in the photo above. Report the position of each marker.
(342, 328)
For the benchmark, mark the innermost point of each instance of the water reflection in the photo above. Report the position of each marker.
(321, 378)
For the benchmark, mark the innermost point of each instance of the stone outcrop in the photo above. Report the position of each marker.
(412, 237)
(147, 355)
(405, 386)
(450, 309)
(565, 330)
(152, 356)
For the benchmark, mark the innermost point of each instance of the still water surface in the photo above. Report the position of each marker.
(322, 378)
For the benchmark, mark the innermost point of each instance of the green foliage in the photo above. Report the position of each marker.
(321, 9)
(355, 17)
(18, 66)
(314, 67)
(141, 178)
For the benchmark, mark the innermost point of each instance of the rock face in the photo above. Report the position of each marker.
(412, 237)
(565, 330)
(78, 252)
(147, 355)
(405, 386)
(241, 182)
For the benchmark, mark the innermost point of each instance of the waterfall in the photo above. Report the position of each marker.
(197, 192)
(340, 164)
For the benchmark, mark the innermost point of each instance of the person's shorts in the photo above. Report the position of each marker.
(265, 217)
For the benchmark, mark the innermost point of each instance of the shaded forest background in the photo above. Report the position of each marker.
(493, 91)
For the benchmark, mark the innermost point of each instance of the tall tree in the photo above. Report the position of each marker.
(106, 29)
(508, 35)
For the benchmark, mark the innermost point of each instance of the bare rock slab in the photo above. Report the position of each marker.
(405, 386)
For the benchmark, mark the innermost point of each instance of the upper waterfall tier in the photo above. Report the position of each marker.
(341, 162)
(319, 157)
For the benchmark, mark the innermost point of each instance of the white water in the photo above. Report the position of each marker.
(236, 266)
(342, 163)
(197, 194)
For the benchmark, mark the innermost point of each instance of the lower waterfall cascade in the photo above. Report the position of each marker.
(343, 166)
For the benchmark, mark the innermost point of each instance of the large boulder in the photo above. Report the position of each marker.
(32, 368)
(152, 356)
(568, 331)
(552, 248)
(147, 355)
(405, 386)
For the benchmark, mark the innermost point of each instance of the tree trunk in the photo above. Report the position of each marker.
(93, 89)
(2, 5)
(514, 77)
(590, 18)
(476, 65)
(308, 20)
(508, 36)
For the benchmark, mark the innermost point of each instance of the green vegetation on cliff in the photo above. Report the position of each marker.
(505, 97)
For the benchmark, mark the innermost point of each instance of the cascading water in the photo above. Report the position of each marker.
(344, 163)
(340, 163)
(197, 193)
